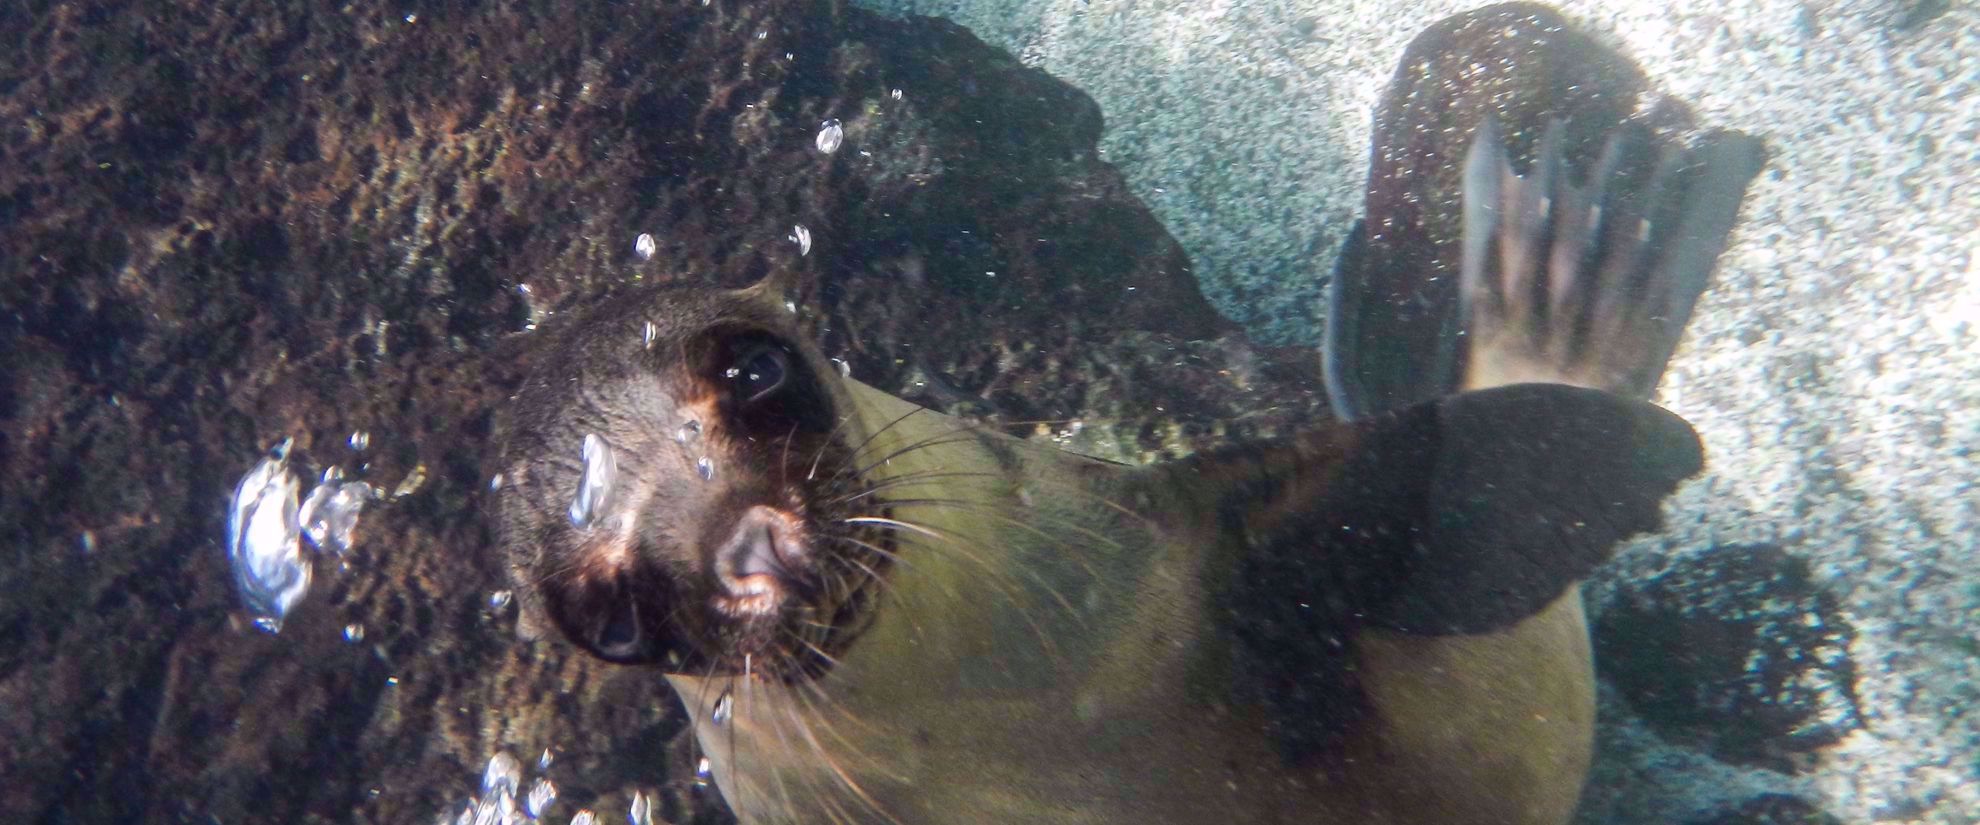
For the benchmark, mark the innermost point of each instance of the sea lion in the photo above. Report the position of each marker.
(876, 613)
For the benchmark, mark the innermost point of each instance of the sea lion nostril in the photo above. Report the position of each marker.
(764, 543)
(754, 550)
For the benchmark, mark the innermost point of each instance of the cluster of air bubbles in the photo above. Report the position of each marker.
(269, 517)
(802, 237)
(644, 246)
(353, 633)
(596, 484)
(830, 135)
(895, 94)
(501, 788)
(688, 435)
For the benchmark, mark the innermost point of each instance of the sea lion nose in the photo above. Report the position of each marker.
(618, 637)
(763, 546)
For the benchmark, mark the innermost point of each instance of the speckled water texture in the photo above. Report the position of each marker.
(1833, 369)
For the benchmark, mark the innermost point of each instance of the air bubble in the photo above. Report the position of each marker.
(802, 237)
(584, 816)
(500, 599)
(353, 633)
(705, 467)
(644, 246)
(703, 771)
(263, 540)
(596, 484)
(845, 368)
(503, 773)
(830, 135)
(688, 433)
(88, 542)
(647, 333)
(641, 811)
(498, 808)
(329, 516)
(360, 440)
(495, 482)
(725, 708)
(895, 94)
(542, 794)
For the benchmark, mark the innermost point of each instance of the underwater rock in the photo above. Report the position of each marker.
(1772, 809)
(226, 224)
(1736, 650)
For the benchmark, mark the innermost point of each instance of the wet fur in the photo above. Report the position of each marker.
(1372, 622)
(1051, 649)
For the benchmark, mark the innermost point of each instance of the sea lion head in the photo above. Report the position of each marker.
(678, 484)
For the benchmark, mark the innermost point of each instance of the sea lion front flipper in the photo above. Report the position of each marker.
(1462, 515)
(1592, 284)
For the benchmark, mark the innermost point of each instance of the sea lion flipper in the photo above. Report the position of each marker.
(1462, 515)
(1370, 358)
(1592, 283)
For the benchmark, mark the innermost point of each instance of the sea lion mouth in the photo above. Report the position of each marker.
(619, 637)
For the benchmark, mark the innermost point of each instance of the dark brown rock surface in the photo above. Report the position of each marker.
(224, 224)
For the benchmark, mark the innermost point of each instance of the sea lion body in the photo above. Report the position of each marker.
(877, 613)
(1078, 674)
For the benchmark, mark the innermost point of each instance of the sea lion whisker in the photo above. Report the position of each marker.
(994, 510)
(826, 444)
(815, 695)
(918, 477)
(895, 524)
(783, 464)
(937, 440)
(865, 571)
(829, 658)
(856, 449)
(776, 722)
(1006, 585)
(1047, 538)
(832, 761)
(998, 578)
(878, 580)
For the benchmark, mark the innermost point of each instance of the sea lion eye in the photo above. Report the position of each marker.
(758, 373)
